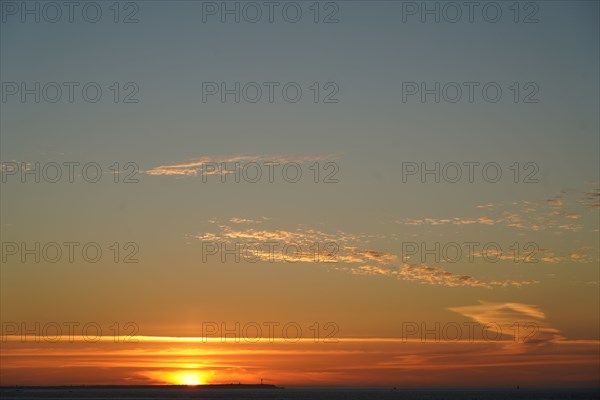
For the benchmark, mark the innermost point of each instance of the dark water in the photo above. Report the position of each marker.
(294, 394)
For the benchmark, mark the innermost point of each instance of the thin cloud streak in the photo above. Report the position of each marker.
(197, 166)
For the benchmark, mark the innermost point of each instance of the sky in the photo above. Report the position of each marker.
(349, 193)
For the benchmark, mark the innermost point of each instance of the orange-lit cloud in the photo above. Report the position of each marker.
(506, 314)
(350, 253)
(526, 215)
(197, 166)
(439, 276)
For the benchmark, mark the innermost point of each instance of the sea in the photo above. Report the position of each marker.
(293, 394)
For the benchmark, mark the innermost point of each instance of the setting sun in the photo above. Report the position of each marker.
(190, 378)
(185, 377)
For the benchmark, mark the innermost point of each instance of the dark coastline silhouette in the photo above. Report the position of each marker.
(206, 386)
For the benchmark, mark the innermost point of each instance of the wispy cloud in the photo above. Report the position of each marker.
(554, 214)
(199, 165)
(237, 220)
(506, 314)
(439, 276)
(304, 244)
(591, 199)
(341, 251)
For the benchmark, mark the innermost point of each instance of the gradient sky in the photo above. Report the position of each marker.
(368, 290)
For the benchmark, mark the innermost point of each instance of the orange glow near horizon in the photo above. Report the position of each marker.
(372, 363)
(189, 378)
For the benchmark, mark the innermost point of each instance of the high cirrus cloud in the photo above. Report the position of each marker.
(438, 276)
(197, 166)
(505, 315)
(555, 214)
(341, 251)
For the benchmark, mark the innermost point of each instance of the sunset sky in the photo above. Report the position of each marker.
(355, 292)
